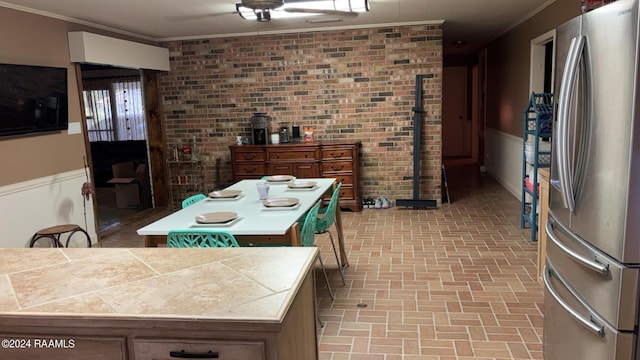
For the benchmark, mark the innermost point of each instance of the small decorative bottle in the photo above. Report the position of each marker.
(176, 153)
(186, 152)
(194, 150)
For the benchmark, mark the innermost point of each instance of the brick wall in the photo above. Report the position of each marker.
(347, 84)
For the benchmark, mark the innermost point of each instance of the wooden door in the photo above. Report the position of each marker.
(456, 120)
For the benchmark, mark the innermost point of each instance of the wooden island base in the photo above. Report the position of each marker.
(133, 310)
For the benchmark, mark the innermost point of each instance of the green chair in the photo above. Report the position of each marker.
(307, 235)
(200, 238)
(326, 218)
(192, 200)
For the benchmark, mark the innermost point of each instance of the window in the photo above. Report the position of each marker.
(114, 110)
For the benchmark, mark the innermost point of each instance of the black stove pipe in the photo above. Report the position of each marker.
(418, 112)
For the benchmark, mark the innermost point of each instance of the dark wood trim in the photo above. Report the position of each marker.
(87, 147)
(155, 138)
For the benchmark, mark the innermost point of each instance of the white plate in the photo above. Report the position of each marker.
(280, 178)
(302, 189)
(225, 194)
(302, 184)
(226, 198)
(218, 217)
(281, 202)
(281, 208)
(225, 224)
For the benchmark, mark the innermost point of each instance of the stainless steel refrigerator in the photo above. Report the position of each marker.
(593, 250)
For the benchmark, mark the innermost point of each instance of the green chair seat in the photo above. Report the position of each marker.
(327, 218)
(192, 200)
(307, 237)
(200, 238)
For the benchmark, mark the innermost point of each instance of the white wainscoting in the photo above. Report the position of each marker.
(503, 159)
(40, 203)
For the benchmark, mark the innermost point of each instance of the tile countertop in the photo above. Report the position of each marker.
(255, 284)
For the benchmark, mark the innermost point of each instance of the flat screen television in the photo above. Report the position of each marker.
(33, 99)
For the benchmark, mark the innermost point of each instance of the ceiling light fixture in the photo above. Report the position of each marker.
(301, 8)
(263, 15)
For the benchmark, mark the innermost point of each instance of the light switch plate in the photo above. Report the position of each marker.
(74, 128)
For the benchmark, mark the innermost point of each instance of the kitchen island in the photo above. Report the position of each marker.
(158, 303)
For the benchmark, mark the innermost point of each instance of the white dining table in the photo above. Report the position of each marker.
(256, 224)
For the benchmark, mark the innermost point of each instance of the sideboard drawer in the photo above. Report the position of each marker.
(337, 166)
(345, 179)
(250, 169)
(334, 153)
(160, 349)
(346, 192)
(292, 155)
(248, 156)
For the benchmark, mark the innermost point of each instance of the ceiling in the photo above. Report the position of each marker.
(468, 24)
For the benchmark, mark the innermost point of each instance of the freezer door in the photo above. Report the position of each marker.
(565, 41)
(609, 287)
(603, 214)
(573, 331)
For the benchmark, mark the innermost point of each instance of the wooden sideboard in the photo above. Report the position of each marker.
(335, 159)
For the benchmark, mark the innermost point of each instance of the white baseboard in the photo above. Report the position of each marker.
(40, 203)
(503, 159)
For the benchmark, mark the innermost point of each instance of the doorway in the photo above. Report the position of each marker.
(116, 131)
(542, 66)
(456, 124)
(461, 110)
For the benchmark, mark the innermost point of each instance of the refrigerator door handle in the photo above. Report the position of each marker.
(587, 322)
(593, 265)
(567, 84)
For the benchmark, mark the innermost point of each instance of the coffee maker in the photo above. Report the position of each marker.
(284, 132)
(260, 128)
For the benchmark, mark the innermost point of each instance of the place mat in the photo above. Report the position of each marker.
(302, 185)
(218, 217)
(225, 194)
(281, 208)
(280, 178)
(302, 189)
(225, 198)
(284, 203)
(224, 224)
(281, 202)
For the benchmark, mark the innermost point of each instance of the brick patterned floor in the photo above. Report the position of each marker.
(451, 283)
